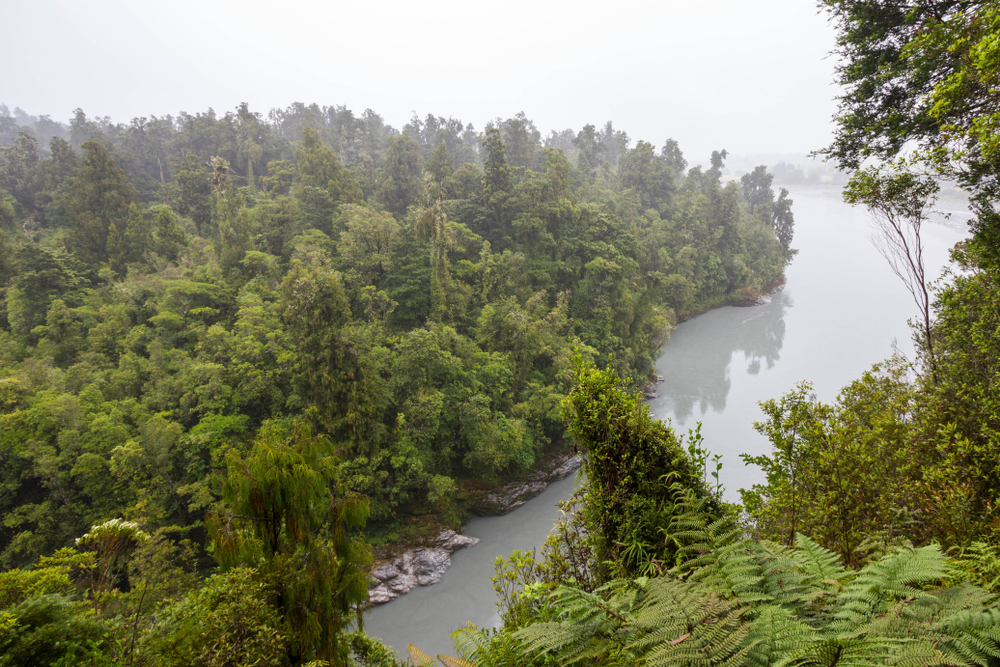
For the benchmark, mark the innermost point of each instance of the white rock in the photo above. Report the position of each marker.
(380, 595)
(429, 565)
(402, 585)
(566, 468)
(451, 541)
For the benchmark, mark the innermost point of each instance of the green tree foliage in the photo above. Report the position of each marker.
(98, 202)
(231, 619)
(648, 176)
(920, 75)
(246, 284)
(284, 519)
(319, 167)
(497, 186)
(194, 191)
(42, 276)
(400, 179)
(19, 174)
(632, 462)
(441, 164)
(367, 243)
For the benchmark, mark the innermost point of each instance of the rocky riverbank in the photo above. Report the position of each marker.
(514, 494)
(649, 391)
(425, 565)
(421, 566)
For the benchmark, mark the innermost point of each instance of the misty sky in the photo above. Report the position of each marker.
(751, 77)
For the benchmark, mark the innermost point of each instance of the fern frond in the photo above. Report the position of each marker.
(419, 658)
(972, 635)
(776, 632)
(592, 625)
(485, 650)
(943, 603)
(893, 577)
(920, 654)
(821, 564)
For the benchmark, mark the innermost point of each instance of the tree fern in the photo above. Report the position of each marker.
(896, 576)
(419, 658)
(824, 568)
(776, 633)
(489, 648)
(761, 604)
(592, 625)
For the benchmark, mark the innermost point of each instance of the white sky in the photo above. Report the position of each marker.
(751, 77)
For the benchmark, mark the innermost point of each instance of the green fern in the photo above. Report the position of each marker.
(732, 600)
(761, 604)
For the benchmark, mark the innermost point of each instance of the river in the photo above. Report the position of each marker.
(841, 311)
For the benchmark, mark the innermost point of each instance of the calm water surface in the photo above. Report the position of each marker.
(841, 311)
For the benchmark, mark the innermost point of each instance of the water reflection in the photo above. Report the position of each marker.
(699, 374)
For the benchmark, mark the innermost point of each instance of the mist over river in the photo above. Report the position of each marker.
(841, 311)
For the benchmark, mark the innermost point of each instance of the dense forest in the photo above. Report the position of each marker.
(239, 351)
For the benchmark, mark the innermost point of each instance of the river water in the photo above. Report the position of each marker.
(841, 311)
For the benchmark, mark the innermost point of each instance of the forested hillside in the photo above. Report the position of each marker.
(188, 299)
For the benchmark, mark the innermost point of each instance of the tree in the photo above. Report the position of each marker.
(717, 161)
(899, 203)
(497, 189)
(672, 155)
(42, 276)
(231, 218)
(317, 315)
(432, 224)
(169, 237)
(648, 176)
(320, 167)
(56, 173)
(194, 198)
(367, 242)
(921, 75)
(632, 461)
(441, 164)
(588, 141)
(19, 173)
(248, 131)
(99, 200)
(400, 178)
(783, 222)
(521, 139)
(283, 518)
(756, 192)
(316, 210)
(130, 245)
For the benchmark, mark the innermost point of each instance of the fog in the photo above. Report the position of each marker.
(748, 77)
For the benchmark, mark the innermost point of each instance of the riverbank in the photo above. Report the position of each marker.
(398, 568)
(744, 297)
(422, 556)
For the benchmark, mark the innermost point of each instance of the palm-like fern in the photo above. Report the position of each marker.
(664, 620)
(737, 601)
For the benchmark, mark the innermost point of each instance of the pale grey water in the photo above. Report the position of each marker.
(840, 312)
